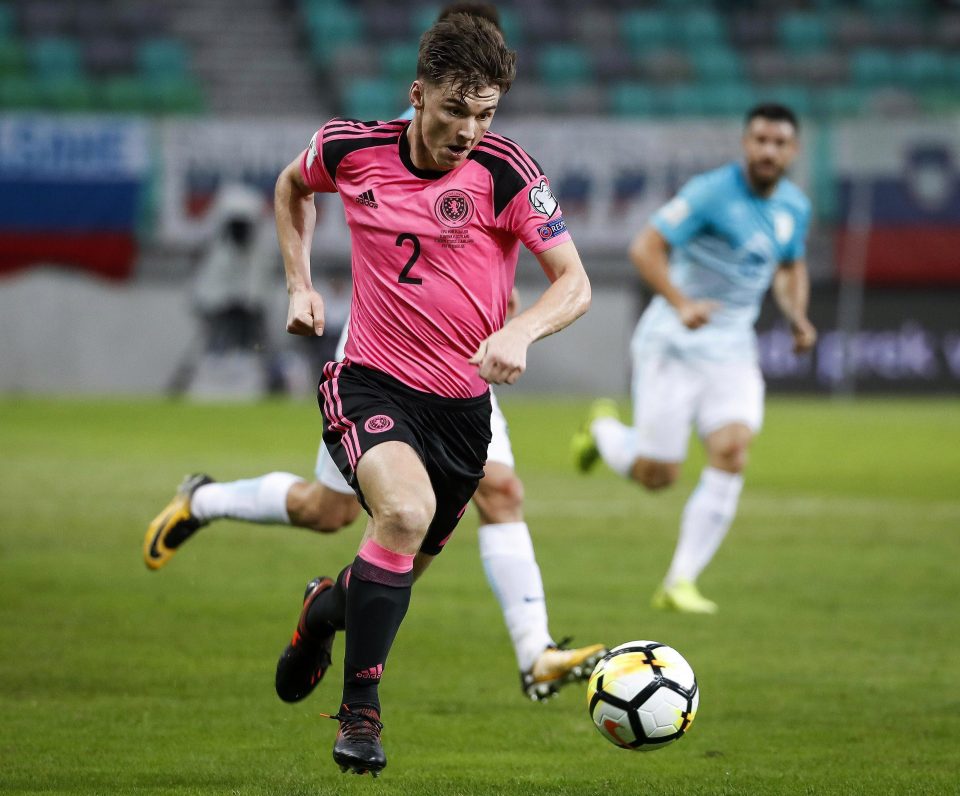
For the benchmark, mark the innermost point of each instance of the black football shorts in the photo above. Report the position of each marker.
(362, 407)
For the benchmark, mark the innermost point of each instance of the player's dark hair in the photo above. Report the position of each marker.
(485, 10)
(468, 52)
(774, 112)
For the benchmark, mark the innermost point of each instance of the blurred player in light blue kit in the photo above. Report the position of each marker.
(710, 254)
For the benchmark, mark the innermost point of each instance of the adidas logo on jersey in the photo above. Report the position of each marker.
(367, 198)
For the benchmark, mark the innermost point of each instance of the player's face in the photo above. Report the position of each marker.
(451, 125)
(770, 148)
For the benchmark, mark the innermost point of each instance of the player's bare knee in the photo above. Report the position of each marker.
(654, 475)
(317, 508)
(405, 518)
(730, 457)
(499, 498)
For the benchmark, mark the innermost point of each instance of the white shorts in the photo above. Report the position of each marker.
(671, 395)
(329, 475)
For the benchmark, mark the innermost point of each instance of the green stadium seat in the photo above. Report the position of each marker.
(840, 101)
(802, 32)
(871, 67)
(125, 94)
(685, 100)
(564, 65)
(716, 64)
(178, 95)
(922, 68)
(423, 18)
(162, 58)
(8, 22)
(627, 98)
(699, 28)
(55, 57)
(369, 99)
(13, 59)
(69, 93)
(399, 61)
(332, 26)
(642, 31)
(20, 92)
(795, 96)
(733, 98)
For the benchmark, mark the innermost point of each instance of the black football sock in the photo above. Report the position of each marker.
(328, 609)
(377, 601)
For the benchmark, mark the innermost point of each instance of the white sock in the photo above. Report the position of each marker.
(615, 441)
(508, 559)
(706, 520)
(262, 499)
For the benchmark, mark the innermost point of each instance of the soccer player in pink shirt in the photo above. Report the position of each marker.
(437, 209)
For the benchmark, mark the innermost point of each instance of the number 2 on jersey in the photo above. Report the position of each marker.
(405, 278)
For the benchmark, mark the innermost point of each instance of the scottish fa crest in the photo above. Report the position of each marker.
(454, 208)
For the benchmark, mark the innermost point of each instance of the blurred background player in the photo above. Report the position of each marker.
(328, 504)
(709, 254)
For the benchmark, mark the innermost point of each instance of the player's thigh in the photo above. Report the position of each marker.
(500, 450)
(665, 393)
(395, 485)
(732, 396)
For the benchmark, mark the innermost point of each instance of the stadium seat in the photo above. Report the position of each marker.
(369, 99)
(69, 93)
(176, 94)
(665, 66)
(331, 26)
(685, 100)
(55, 57)
(13, 59)
(794, 95)
(801, 32)
(840, 101)
(923, 69)
(729, 99)
(700, 28)
(564, 65)
(870, 67)
(628, 98)
(8, 22)
(125, 94)
(642, 31)
(715, 64)
(399, 61)
(162, 58)
(20, 92)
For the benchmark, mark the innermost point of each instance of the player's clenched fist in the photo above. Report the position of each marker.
(305, 313)
(501, 358)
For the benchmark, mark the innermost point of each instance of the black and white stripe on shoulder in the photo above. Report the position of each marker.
(343, 136)
(510, 166)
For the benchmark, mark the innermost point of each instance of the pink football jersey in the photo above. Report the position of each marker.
(434, 252)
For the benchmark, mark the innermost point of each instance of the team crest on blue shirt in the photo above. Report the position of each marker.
(454, 208)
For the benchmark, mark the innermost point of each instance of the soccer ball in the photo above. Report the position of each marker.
(642, 695)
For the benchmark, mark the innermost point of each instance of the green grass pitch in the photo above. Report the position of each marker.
(832, 667)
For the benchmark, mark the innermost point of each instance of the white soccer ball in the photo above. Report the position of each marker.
(642, 695)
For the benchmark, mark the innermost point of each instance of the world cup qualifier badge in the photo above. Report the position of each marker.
(542, 199)
(454, 208)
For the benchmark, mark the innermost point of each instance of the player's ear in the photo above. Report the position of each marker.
(416, 95)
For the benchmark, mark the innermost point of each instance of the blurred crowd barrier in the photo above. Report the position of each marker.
(96, 195)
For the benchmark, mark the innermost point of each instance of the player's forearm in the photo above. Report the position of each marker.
(567, 298)
(791, 290)
(650, 255)
(296, 217)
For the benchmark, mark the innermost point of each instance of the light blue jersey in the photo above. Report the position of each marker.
(726, 243)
